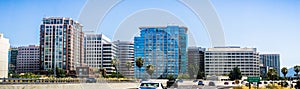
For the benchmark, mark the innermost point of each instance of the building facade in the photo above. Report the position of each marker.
(270, 61)
(61, 43)
(13, 53)
(163, 47)
(125, 54)
(99, 52)
(196, 60)
(220, 61)
(4, 48)
(28, 59)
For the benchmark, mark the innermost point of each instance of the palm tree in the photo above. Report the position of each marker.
(284, 71)
(150, 69)
(139, 62)
(129, 65)
(297, 69)
(115, 62)
(272, 73)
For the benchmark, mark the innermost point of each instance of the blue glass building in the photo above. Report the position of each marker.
(163, 47)
(270, 61)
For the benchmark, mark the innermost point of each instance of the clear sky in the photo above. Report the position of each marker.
(272, 26)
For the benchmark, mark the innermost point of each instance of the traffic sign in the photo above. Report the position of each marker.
(253, 79)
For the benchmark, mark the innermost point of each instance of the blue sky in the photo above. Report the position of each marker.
(272, 26)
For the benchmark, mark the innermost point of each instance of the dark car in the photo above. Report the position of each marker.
(265, 82)
(200, 83)
(211, 84)
(180, 80)
(226, 83)
(91, 80)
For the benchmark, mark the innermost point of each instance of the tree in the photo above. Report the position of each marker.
(235, 74)
(272, 74)
(183, 76)
(60, 73)
(193, 69)
(50, 72)
(115, 62)
(139, 62)
(150, 69)
(284, 71)
(129, 65)
(297, 69)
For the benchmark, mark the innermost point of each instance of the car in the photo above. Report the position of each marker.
(211, 84)
(265, 82)
(226, 83)
(233, 83)
(91, 80)
(200, 83)
(180, 80)
(151, 85)
(195, 80)
(247, 84)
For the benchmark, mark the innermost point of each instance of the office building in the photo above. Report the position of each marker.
(195, 60)
(220, 61)
(28, 59)
(163, 47)
(4, 48)
(13, 53)
(61, 43)
(125, 54)
(99, 52)
(270, 61)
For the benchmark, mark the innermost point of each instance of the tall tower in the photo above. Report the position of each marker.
(61, 43)
(163, 47)
(4, 47)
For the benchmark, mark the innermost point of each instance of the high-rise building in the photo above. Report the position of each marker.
(195, 59)
(28, 59)
(163, 47)
(221, 60)
(61, 43)
(4, 48)
(270, 61)
(99, 52)
(13, 53)
(125, 54)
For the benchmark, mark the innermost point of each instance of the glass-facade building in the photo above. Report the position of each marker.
(270, 61)
(13, 53)
(163, 47)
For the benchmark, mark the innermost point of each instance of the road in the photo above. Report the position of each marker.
(187, 84)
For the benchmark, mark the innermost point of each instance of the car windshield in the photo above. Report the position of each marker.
(150, 85)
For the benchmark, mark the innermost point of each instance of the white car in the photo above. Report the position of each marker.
(151, 85)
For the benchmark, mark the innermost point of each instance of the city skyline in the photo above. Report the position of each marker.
(256, 23)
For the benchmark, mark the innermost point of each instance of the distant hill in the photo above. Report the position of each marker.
(290, 73)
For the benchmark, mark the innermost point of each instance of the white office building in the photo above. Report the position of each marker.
(125, 54)
(99, 52)
(4, 47)
(220, 61)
